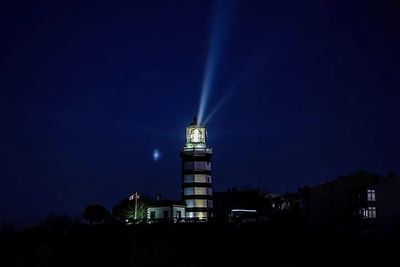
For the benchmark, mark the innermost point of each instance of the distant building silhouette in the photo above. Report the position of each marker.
(360, 201)
(387, 205)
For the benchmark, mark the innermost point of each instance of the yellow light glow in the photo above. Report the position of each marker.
(195, 135)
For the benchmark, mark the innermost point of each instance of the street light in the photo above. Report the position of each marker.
(136, 197)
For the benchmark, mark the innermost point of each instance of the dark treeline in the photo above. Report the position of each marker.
(277, 243)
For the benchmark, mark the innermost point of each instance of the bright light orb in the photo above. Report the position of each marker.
(156, 154)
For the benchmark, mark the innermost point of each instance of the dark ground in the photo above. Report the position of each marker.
(194, 245)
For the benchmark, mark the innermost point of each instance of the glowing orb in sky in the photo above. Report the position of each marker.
(156, 154)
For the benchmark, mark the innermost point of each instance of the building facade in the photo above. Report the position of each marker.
(196, 174)
(166, 211)
(384, 205)
(348, 202)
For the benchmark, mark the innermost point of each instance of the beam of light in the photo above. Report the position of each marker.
(245, 76)
(224, 100)
(217, 39)
(156, 154)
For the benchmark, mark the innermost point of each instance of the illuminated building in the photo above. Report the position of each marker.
(167, 211)
(196, 174)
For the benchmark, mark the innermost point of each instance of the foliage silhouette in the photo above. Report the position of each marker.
(96, 214)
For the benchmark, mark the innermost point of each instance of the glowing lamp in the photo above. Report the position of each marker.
(195, 136)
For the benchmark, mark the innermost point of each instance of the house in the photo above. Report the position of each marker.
(360, 201)
(166, 211)
(386, 209)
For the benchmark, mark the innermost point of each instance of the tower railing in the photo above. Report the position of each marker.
(197, 150)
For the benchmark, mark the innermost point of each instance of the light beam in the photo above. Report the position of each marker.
(245, 75)
(217, 39)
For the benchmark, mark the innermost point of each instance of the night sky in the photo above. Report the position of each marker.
(89, 90)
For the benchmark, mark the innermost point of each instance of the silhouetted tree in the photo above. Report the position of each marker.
(96, 214)
(125, 209)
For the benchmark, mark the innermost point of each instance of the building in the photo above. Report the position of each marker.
(361, 201)
(384, 205)
(196, 174)
(166, 211)
(344, 203)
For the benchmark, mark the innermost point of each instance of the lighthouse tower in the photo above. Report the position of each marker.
(196, 174)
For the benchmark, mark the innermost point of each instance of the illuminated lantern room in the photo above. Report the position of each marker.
(195, 136)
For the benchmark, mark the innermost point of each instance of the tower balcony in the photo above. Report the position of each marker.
(197, 151)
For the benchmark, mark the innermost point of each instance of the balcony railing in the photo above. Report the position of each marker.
(197, 151)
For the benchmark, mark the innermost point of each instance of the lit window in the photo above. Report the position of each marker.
(369, 213)
(371, 194)
(372, 212)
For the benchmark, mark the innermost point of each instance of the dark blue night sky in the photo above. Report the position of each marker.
(90, 88)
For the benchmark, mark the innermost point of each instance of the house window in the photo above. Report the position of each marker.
(166, 213)
(372, 212)
(369, 213)
(371, 194)
(152, 215)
